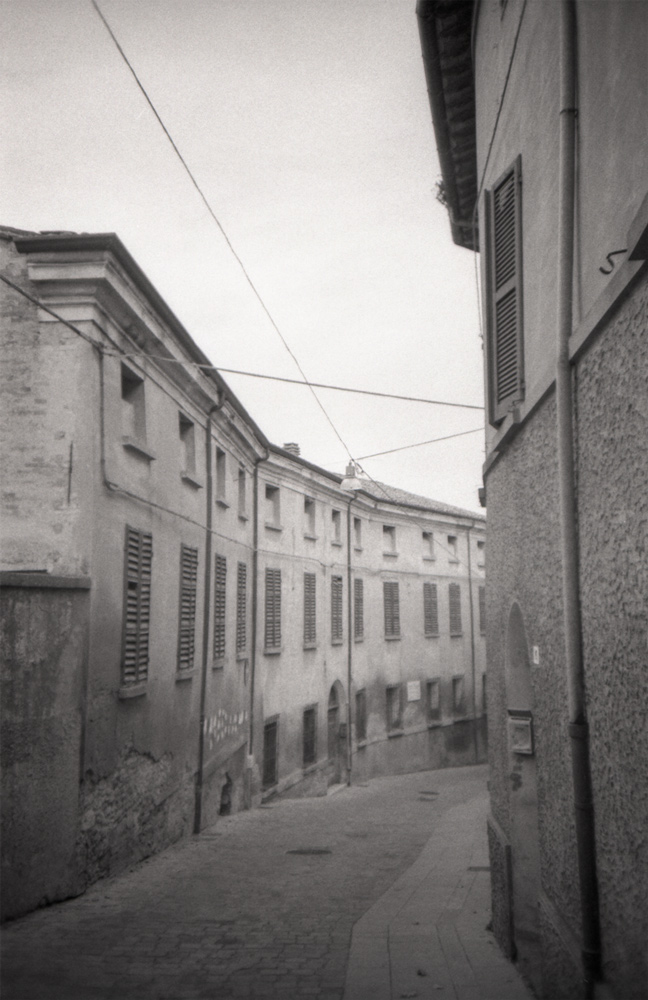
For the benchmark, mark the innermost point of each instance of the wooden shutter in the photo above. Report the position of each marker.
(392, 609)
(336, 609)
(504, 221)
(310, 631)
(187, 625)
(273, 609)
(220, 579)
(309, 735)
(358, 608)
(241, 608)
(482, 609)
(430, 609)
(454, 593)
(270, 753)
(137, 605)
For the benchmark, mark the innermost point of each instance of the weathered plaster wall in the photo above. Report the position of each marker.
(612, 414)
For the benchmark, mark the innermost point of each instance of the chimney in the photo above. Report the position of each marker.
(292, 447)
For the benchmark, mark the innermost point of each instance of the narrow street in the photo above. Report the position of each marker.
(380, 890)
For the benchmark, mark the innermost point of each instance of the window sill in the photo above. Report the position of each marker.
(128, 691)
(357, 548)
(481, 565)
(273, 651)
(358, 638)
(431, 559)
(392, 638)
(221, 503)
(138, 448)
(185, 675)
(241, 656)
(453, 562)
(337, 642)
(219, 664)
(337, 545)
(433, 723)
(456, 635)
(271, 526)
(190, 480)
(393, 733)
(243, 516)
(310, 538)
(431, 635)
(390, 555)
(309, 645)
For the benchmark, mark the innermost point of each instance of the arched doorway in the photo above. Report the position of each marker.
(524, 799)
(336, 734)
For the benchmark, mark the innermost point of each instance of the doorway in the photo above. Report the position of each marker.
(336, 735)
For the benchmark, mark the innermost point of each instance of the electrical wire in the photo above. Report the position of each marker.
(419, 444)
(220, 227)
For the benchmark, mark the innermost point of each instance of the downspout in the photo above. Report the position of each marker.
(207, 603)
(578, 727)
(349, 645)
(472, 649)
(255, 589)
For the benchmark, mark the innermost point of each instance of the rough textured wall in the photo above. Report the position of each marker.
(44, 640)
(524, 566)
(612, 413)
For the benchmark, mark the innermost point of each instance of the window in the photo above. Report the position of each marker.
(273, 609)
(433, 700)
(394, 708)
(137, 606)
(452, 549)
(454, 595)
(241, 608)
(389, 540)
(187, 626)
(336, 609)
(458, 697)
(220, 578)
(361, 715)
(504, 282)
(309, 517)
(187, 444)
(484, 708)
(310, 736)
(428, 545)
(242, 491)
(392, 610)
(482, 610)
(272, 506)
(358, 608)
(270, 734)
(310, 629)
(221, 471)
(481, 553)
(133, 412)
(336, 518)
(430, 609)
(357, 532)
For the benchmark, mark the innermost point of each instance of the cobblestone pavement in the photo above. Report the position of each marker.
(261, 905)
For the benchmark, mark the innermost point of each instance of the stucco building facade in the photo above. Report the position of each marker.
(540, 115)
(177, 633)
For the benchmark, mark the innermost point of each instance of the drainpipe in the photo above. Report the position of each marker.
(207, 602)
(255, 589)
(578, 727)
(472, 648)
(349, 644)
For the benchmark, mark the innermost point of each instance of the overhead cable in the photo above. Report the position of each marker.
(420, 444)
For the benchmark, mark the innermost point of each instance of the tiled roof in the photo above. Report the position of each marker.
(392, 494)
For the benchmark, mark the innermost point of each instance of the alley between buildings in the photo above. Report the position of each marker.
(379, 890)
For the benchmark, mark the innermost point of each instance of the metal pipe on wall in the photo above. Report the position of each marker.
(578, 727)
(349, 646)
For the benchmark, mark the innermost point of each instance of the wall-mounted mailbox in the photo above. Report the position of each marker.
(520, 724)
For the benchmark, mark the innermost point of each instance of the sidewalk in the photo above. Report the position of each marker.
(426, 936)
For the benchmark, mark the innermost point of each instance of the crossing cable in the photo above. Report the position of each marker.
(220, 227)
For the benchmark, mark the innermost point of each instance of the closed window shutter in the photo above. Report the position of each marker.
(482, 609)
(273, 609)
(309, 609)
(309, 734)
(241, 608)
(220, 577)
(187, 628)
(454, 593)
(430, 609)
(505, 288)
(336, 609)
(270, 753)
(137, 605)
(358, 608)
(392, 609)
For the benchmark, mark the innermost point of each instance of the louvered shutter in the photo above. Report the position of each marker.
(310, 631)
(505, 292)
(273, 609)
(220, 580)
(392, 609)
(241, 608)
(187, 626)
(336, 609)
(430, 609)
(137, 605)
(358, 608)
(482, 609)
(454, 593)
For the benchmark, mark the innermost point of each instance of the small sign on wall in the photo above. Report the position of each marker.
(413, 690)
(535, 653)
(520, 726)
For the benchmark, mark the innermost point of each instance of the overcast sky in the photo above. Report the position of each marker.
(307, 125)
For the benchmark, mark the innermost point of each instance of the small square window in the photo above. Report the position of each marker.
(272, 506)
(309, 517)
(357, 532)
(242, 491)
(452, 549)
(133, 411)
(336, 519)
(433, 699)
(221, 471)
(310, 736)
(361, 715)
(187, 444)
(458, 695)
(389, 539)
(428, 545)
